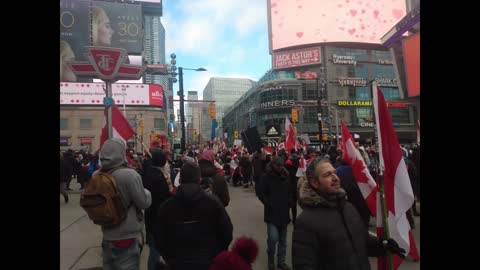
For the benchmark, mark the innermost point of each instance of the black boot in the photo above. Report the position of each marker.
(271, 263)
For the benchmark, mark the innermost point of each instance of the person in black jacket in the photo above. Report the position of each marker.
(329, 233)
(274, 194)
(207, 168)
(192, 226)
(64, 175)
(155, 182)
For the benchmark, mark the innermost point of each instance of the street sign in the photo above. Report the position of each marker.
(108, 102)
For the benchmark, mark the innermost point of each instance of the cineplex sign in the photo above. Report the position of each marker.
(368, 103)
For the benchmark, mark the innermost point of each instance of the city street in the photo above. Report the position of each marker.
(80, 239)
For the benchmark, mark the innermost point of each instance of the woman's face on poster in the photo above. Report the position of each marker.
(104, 31)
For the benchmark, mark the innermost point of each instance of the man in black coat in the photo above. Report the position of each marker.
(208, 169)
(192, 227)
(274, 194)
(329, 233)
(155, 182)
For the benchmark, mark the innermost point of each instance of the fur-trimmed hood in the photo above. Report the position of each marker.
(307, 197)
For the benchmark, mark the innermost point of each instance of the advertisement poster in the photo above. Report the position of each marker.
(117, 25)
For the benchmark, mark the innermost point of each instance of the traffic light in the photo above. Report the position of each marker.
(140, 126)
(195, 132)
(324, 137)
(212, 111)
(235, 134)
(294, 115)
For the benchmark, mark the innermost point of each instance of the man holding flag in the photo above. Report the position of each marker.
(329, 233)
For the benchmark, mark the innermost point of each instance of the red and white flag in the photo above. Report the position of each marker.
(268, 150)
(120, 126)
(398, 190)
(352, 156)
(289, 136)
(281, 146)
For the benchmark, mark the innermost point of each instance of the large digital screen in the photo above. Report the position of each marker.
(299, 22)
(90, 94)
(411, 54)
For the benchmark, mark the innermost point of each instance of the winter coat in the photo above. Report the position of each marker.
(273, 192)
(154, 180)
(132, 194)
(354, 195)
(192, 227)
(220, 188)
(64, 171)
(329, 233)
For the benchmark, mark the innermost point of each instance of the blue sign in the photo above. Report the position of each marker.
(108, 102)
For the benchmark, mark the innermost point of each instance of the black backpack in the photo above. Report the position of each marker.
(207, 184)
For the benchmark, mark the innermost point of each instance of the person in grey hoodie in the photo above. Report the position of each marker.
(122, 244)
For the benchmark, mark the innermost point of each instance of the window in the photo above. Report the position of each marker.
(85, 123)
(390, 93)
(159, 123)
(63, 123)
(364, 115)
(309, 91)
(362, 93)
(310, 115)
(361, 71)
(400, 115)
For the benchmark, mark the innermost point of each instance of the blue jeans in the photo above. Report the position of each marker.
(154, 255)
(117, 258)
(276, 234)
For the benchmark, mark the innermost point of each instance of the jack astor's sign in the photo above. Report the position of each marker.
(346, 81)
(277, 103)
(344, 59)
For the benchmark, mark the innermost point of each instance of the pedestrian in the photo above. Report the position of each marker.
(64, 174)
(292, 199)
(258, 164)
(246, 171)
(274, 194)
(154, 180)
(122, 244)
(329, 234)
(193, 222)
(208, 169)
(70, 164)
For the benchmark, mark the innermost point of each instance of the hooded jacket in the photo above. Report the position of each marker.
(273, 192)
(129, 184)
(220, 188)
(193, 227)
(329, 234)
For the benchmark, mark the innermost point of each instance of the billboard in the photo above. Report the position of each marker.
(74, 36)
(411, 54)
(294, 58)
(293, 23)
(90, 94)
(117, 25)
(112, 25)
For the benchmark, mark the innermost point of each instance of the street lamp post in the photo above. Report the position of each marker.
(182, 97)
(124, 89)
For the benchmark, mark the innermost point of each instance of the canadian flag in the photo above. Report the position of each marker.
(268, 150)
(398, 190)
(289, 136)
(120, 126)
(352, 156)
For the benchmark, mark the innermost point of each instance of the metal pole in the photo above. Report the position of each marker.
(109, 110)
(336, 123)
(319, 114)
(124, 93)
(182, 109)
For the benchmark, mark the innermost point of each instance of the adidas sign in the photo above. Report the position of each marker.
(272, 131)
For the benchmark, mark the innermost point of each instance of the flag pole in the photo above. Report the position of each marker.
(144, 146)
(381, 190)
